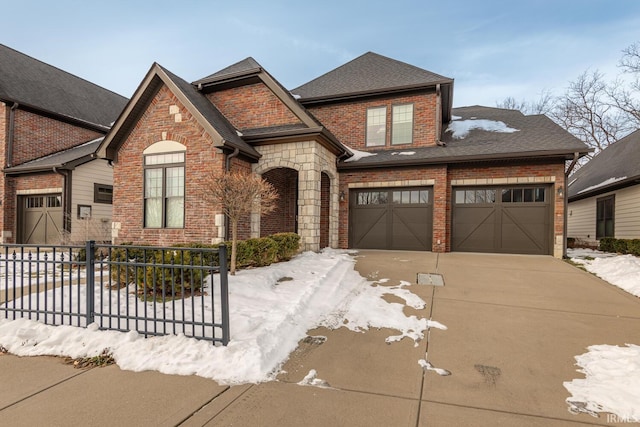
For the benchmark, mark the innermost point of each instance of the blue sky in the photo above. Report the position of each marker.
(493, 49)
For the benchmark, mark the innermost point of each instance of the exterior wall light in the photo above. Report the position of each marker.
(342, 196)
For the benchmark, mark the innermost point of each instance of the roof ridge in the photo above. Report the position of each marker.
(61, 70)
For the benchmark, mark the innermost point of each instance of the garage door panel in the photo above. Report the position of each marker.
(475, 227)
(370, 231)
(411, 228)
(506, 224)
(391, 218)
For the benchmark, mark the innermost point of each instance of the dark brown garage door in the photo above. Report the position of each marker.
(391, 218)
(502, 220)
(40, 219)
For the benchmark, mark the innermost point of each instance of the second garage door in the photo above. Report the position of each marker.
(510, 219)
(391, 218)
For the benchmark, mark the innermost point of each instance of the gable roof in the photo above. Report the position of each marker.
(67, 159)
(616, 166)
(249, 71)
(206, 114)
(240, 68)
(36, 85)
(521, 137)
(372, 74)
(369, 73)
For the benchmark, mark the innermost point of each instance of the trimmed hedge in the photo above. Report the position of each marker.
(621, 246)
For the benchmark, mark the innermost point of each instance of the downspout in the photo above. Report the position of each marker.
(11, 136)
(227, 168)
(66, 198)
(576, 156)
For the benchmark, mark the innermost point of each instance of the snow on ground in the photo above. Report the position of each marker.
(268, 319)
(461, 128)
(612, 382)
(622, 271)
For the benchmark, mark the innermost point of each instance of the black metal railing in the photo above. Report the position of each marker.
(151, 290)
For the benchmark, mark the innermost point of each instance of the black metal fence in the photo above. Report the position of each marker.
(151, 290)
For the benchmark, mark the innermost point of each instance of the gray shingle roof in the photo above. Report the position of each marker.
(67, 159)
(368, 74)
(211, 114)
(247, 65)
(615, 166)
(536, 136)
(33, 83)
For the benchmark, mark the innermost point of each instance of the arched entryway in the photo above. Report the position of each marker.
(284, 218)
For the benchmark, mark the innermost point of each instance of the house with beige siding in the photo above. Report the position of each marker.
(604, 194)
(51, 123)
(370, 155)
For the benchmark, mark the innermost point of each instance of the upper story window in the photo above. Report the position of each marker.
(164, 186)
(376, 126)
(402, 124)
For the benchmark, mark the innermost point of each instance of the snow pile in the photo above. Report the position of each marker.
(622, 271)
(357, 155)
(403, 153)
(311, 379)
(269, 317)
(461, 128)
(612, 382)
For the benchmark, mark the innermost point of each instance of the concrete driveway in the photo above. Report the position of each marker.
(514, 323)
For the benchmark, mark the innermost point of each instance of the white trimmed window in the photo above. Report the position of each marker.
(376, 126)
(402, 124)
(164, 190)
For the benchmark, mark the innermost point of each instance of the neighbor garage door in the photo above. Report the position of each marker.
(41, 219)
(513, 219)
(391, 218)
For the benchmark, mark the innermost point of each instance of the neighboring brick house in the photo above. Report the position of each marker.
(369, 155)
(604, 194)
(51, 123)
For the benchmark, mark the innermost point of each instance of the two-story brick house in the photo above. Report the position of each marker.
(369, 155)
(50, 126)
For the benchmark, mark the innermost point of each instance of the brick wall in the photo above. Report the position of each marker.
(283, 217)
(348, 121)
(252, 106)
(201, 157)
(443, 177)
(4, 118)
(37, 136)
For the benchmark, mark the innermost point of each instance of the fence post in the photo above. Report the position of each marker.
(224, 293)
(90, 257)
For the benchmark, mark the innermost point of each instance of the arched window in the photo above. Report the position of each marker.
(164, 166)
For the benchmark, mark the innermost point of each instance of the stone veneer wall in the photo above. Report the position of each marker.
(310, 159)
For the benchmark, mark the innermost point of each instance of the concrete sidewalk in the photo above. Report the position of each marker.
(514, 323)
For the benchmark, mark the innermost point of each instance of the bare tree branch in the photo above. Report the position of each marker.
(238, 194)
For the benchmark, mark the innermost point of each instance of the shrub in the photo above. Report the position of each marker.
(633, 247)
(257, 252)
(288, 245)
(167, 275)
(571, 242)
(620, 246)
(606, 244)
